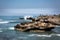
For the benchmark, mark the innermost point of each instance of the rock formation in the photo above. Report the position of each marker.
(39, 24)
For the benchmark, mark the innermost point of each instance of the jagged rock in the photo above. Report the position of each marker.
(39, 24)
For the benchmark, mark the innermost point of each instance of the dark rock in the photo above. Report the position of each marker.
(39, 24)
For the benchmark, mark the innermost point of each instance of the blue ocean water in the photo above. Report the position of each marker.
(7, 31)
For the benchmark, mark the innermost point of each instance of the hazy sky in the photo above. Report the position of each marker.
(29, 7)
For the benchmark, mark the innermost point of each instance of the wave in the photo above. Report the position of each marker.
(10, 21)
(38, 35)
(11, 28)
(2, 22)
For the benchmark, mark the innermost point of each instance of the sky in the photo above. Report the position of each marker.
(29, 7)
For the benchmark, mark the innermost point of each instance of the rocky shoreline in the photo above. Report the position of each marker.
(39, 24)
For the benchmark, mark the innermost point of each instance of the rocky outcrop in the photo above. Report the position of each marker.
(39, 24)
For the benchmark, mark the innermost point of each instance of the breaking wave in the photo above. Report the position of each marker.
(2, 22)
(38, 35)
(10, 21)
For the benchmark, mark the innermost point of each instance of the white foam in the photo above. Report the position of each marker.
(44, 35)
(11, 28)
(2, 22)
(25, 17)
(56, 34)
(38, 35)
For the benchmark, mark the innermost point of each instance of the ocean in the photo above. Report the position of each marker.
(7, 31)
